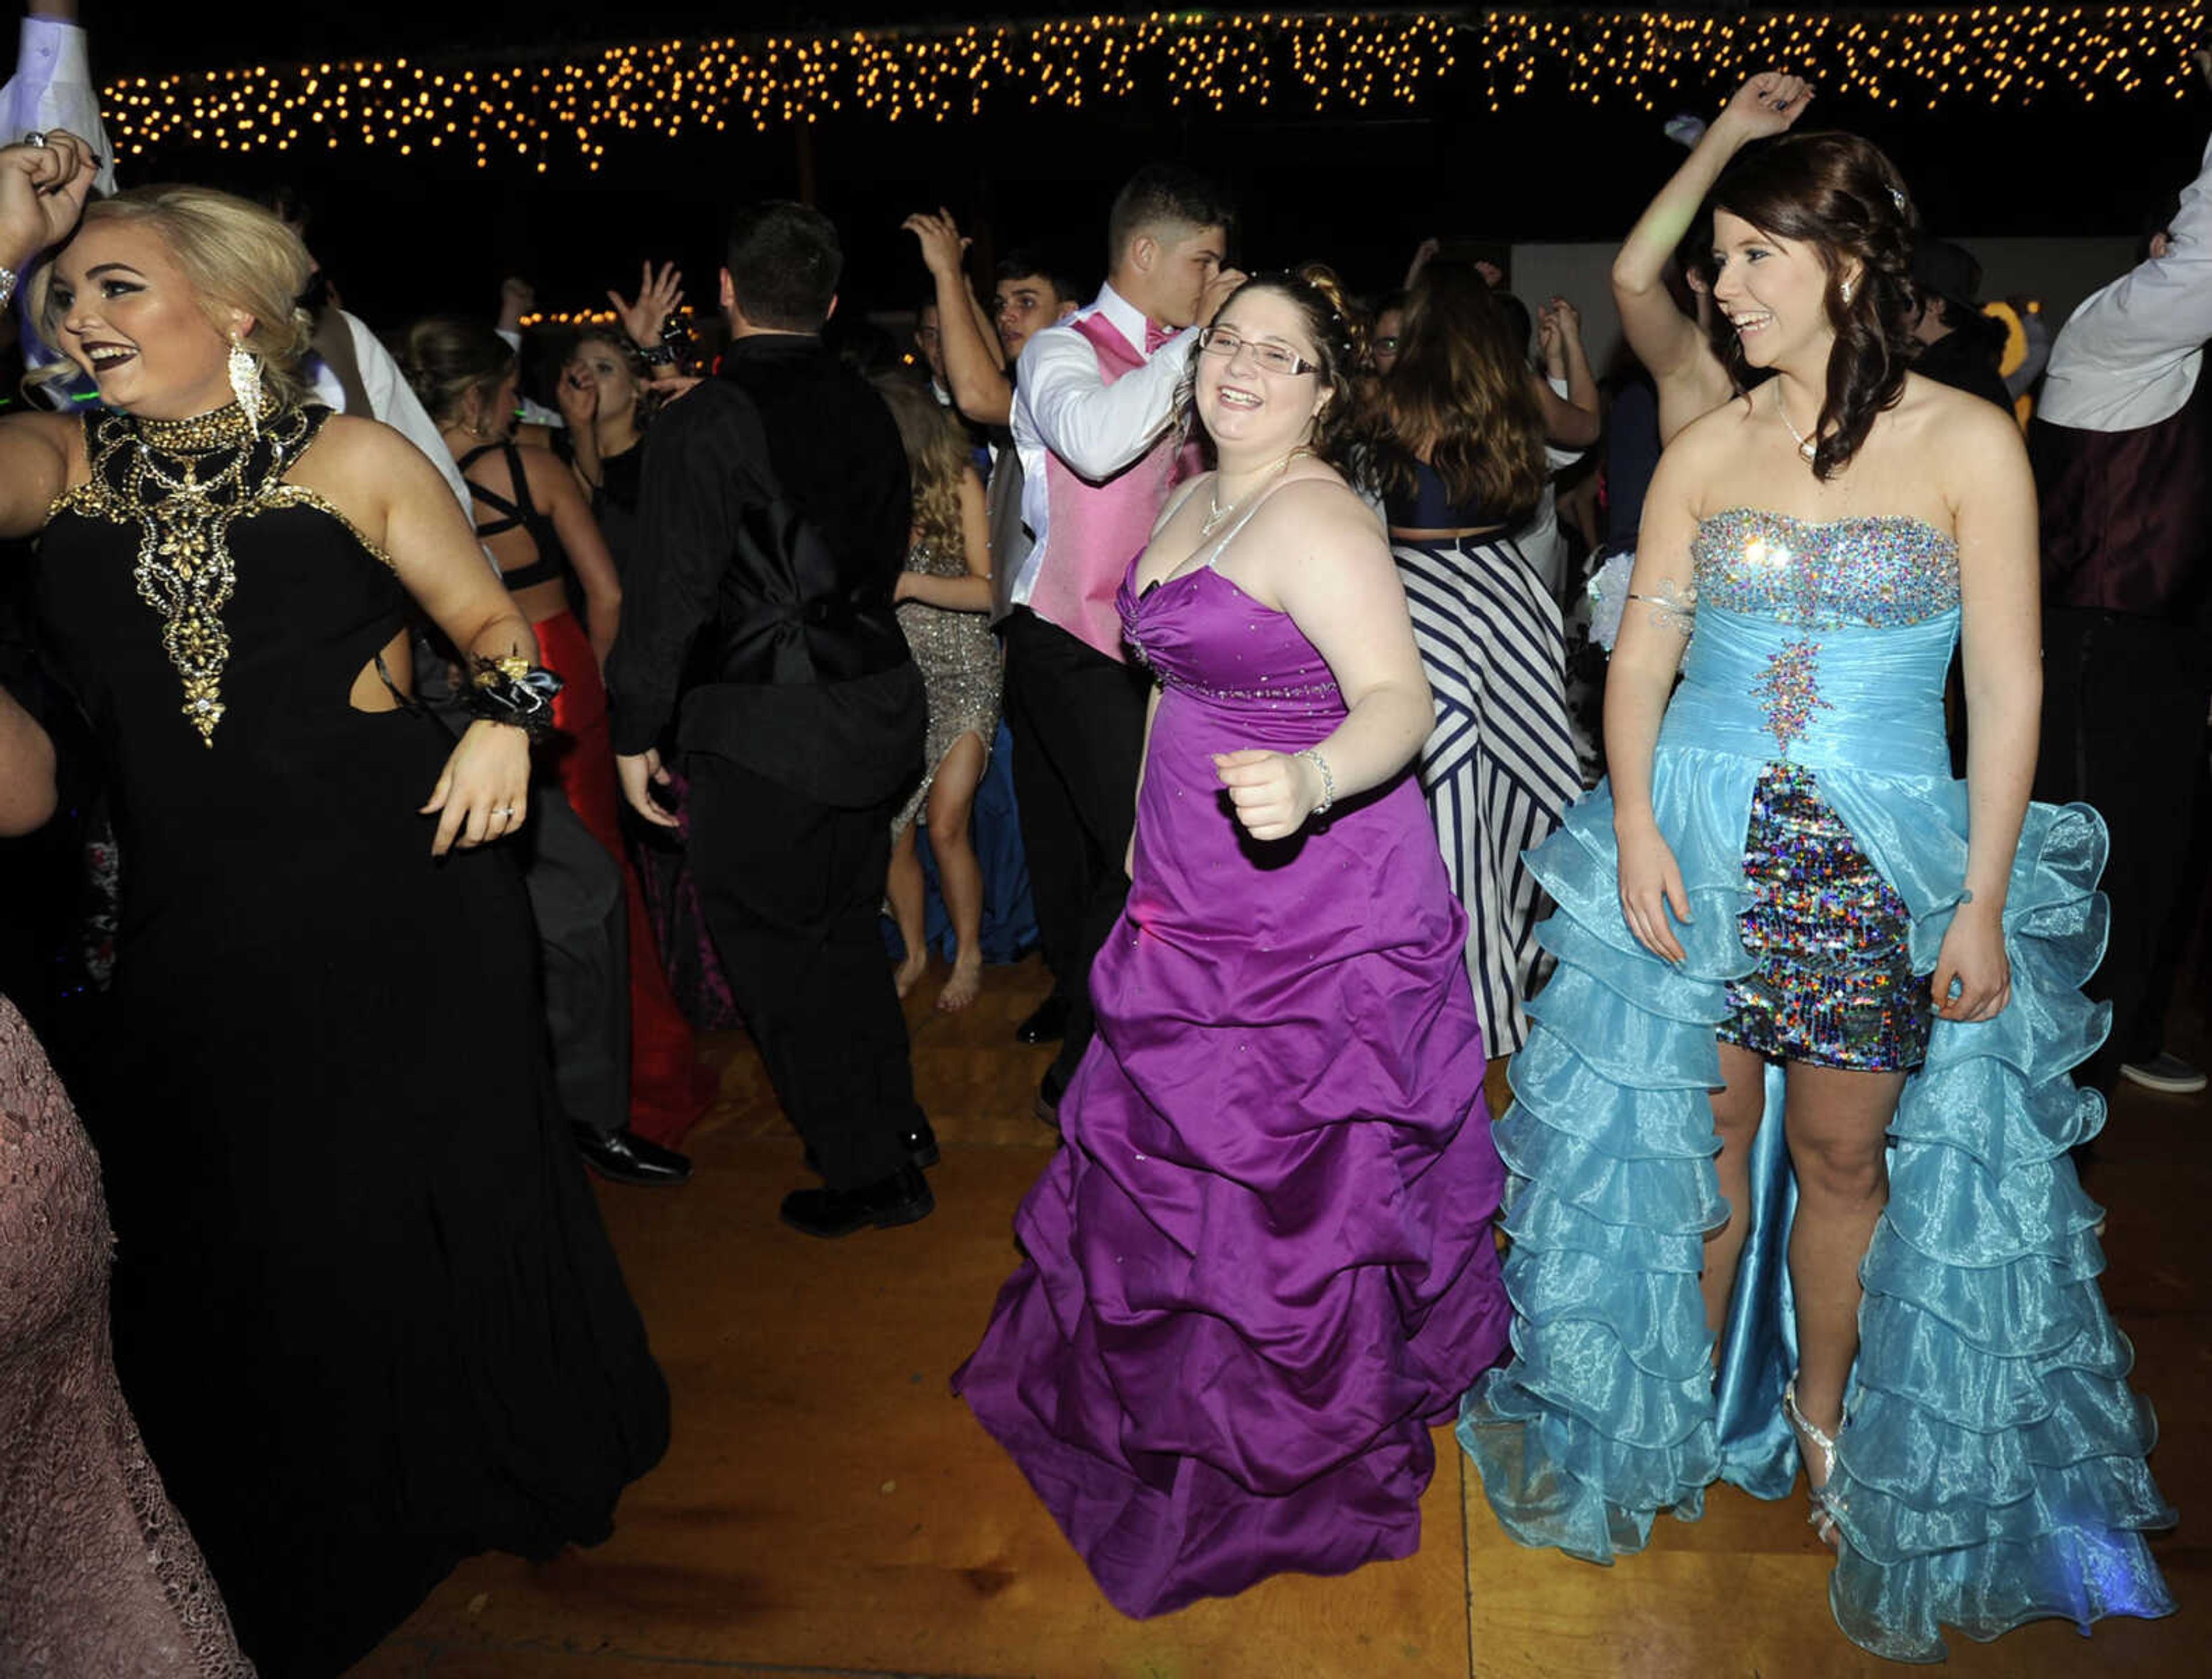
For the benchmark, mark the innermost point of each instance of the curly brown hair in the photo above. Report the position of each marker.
(937, 458)
(1339, 332)
(1842, 196)
(1461, 397)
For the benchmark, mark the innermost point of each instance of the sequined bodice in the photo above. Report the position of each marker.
(1821, 643)
(1874, 572)
(935, 559)
(1204, 637)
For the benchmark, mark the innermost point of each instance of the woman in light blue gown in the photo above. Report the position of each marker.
(1790, 1178)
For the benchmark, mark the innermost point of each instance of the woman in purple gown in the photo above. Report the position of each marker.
(1262, 1266)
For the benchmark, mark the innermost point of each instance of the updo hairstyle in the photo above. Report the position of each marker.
(446, 359)
(236, 255)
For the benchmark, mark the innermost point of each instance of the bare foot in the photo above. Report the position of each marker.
(909, 971)
(966, 983)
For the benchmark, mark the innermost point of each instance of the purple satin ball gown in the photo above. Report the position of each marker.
(1262, 1266)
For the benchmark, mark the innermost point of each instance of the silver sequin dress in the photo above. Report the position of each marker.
(961, 668)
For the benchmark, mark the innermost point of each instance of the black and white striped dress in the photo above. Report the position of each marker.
(1500, 767)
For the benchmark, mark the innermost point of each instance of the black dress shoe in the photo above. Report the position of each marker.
(900, 1199)
(1048, 1024)
(627, 1157)
(918, 1139)
(1048, 1097)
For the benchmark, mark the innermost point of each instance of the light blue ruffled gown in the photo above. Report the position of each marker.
(1991, 1471)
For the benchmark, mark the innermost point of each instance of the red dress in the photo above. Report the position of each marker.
(668, 1088)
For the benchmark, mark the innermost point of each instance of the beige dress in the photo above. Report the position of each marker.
(99, 1578)
(961, 668)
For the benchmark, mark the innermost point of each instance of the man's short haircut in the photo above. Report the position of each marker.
(1024, 264)
(1164, 196)
(784, 261)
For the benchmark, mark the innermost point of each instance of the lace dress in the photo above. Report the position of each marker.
(99, 1578)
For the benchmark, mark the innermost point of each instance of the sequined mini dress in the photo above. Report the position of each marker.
(1991, 1470)
(961, 669)
(1835, 984)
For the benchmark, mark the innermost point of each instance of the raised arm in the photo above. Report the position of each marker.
(1668, 341)
(42, 193)
(1574, 421)
(1098, 428)
(1331, 572)
(973, 366)
(2158, 311)
(53, 86)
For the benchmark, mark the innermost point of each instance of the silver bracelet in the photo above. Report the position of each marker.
(7, 278)
(1328, 783)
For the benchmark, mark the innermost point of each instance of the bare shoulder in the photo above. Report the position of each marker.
(1325, 506)
(548, 473)
(354, 444)
(1712, 433)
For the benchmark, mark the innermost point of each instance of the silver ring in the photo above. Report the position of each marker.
(504, 810)
(35, 138)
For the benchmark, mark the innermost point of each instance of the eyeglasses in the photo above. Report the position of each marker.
(1268, 358)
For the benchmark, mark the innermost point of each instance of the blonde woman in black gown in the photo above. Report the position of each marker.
(363, 1307)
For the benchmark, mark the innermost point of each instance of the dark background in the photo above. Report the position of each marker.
(404, 236)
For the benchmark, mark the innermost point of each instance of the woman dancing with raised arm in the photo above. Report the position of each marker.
(363, 1307)
(1755, 909)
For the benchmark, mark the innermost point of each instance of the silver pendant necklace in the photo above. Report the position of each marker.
(1806, 446)
(1216, 513)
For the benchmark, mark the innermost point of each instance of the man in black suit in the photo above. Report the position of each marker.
(773, 526)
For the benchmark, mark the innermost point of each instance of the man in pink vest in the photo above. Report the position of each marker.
(1096, 404)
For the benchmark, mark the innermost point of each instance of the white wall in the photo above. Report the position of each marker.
(2061, 271)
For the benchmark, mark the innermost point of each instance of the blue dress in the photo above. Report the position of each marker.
(1991, 1471)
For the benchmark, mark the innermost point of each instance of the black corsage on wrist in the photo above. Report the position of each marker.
(512, 691)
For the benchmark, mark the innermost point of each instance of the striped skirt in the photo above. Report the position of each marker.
(1500, 767)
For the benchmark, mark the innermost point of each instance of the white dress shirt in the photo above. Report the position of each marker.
(533, 413)
(391, 399)
(2128, 357)
(1064, 406)
(52, 88)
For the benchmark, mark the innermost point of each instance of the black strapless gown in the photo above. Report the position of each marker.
(364, 1307)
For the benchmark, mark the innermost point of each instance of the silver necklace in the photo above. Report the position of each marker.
(1216, 513)
(1806, 446)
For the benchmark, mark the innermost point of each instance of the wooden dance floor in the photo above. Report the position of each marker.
(829, 1509)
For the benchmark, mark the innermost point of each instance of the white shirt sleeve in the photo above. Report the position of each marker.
(1096, 429)
(2129, 356)
(52, 88)
(393, 401)
(533, 413)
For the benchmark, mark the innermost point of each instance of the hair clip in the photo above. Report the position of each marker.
(1897, 197)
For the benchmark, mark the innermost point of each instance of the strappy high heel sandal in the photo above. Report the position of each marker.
(1826, 1508)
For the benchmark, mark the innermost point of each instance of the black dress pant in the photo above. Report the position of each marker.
(579, 900)
(1077, 719)
(2125, 703)
(792, 889)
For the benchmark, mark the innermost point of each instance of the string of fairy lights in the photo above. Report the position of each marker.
(541, 109)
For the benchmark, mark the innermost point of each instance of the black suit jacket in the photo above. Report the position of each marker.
(772, 524)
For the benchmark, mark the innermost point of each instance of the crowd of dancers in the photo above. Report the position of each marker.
(606, 713)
